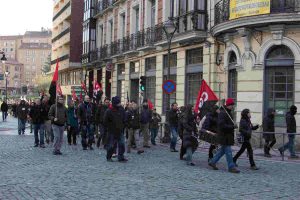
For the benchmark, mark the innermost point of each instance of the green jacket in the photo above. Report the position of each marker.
(72, 117)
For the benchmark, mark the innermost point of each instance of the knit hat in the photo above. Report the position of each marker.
(229, 102)
(115, 100)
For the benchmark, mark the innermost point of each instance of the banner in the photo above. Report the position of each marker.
(245, 8)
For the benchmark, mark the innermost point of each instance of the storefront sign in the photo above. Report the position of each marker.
(245, 8)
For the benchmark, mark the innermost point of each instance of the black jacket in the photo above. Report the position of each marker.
(246, 128)
(189, 129)
(114, 120)
(211, 122)
(269, 124)
(225, 128)
(4, 107)
(86, 113)
(133, 119)
(145, 116)
(38, 114)
(290, 123)
(173, 118)
(155, 120)
(22, 111)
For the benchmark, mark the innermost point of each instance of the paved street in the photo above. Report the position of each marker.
(34, 173)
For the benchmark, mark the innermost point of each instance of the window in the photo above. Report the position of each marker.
(151, 88)
(173, 60)
(195, 56)
(100, 35)
(193, 86)
(111, 31)
(16, 68)
(150, 63)
(123, 25)
(232, 84)
(134, 67)
(137, 20)
(121, 69)
(121, 90)
(153, 12)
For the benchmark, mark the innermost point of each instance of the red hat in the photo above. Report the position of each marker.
(229, 102)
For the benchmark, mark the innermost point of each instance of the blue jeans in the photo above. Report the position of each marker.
(290, 145)
(113, 142)
(4, 115)
(21, 126)
(174, 134)
(228, 152)
(87, 131)
(39, 129)
(154, 132)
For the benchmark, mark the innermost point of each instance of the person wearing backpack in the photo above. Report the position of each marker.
(246, 129)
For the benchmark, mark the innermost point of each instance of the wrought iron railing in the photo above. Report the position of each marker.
(222, 8)
(103, 5)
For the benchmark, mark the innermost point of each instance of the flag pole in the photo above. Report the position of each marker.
(228, 114)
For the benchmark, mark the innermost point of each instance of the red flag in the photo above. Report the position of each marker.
(58, 90)
(150, 105)
(206, 98)
(83, 87)
(74, 96)
(97, 87)
(55, 75)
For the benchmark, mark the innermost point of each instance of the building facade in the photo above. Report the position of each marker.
(66, 43)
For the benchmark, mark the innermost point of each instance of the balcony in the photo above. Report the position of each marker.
(103, 5)
(281, 11)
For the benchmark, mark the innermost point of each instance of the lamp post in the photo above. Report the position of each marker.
(170, 29)
(3, 59)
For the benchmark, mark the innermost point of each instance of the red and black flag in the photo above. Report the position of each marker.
(206, 100)
(52, 88)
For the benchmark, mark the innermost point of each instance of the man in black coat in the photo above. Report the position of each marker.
(102, 129)
(290, 128)
(114, 120)
(4, 109)
(22, 113)
(145, 118)
(268, 126)
(173, 124)
(226, 128)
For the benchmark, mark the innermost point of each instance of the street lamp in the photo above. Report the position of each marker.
(170, 29)
(3, 59)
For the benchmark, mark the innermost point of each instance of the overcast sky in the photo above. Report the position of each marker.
(18, 16)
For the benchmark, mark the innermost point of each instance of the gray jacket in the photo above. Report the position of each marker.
(61, 114)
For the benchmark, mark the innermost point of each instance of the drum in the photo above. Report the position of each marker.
(208, 136)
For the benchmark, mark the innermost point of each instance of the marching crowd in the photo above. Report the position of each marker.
(120, 128)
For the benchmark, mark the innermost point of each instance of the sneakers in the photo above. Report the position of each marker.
(115, 155)
(254, 168)
(57, 153)
(234, 170)
(173, 150)
(213, 166)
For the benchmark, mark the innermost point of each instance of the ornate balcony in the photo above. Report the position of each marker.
(281, 11)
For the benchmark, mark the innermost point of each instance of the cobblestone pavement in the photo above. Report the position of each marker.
(34, 173)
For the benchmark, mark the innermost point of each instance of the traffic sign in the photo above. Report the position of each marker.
(1, 77)
(169, 86)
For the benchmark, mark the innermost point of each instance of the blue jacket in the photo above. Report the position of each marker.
(72, 117)
(145, 116)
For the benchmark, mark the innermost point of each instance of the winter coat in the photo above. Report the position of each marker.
(133, 119)
(225, 128)
(37, 114)
(268, 125)
(290, 123)
(61, 114)
(114, 120)
(246, 128)
(145, 116)
(173, 118)
(155, 120)
(4, 107)
(22, 112)
(211, 122)
(100, 113)
(189, 129)
(72, 119)
(47, 109)
(86, 113)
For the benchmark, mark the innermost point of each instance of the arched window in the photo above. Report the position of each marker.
(279, 81)
(232, 77)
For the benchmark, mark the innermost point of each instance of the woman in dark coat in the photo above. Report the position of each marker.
(245, 129)
(190, 142)
(268, 126)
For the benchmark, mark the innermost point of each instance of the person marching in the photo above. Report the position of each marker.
(291, 127)
(22, 113)
(4, 109)
(190, 142)
(180, 130)
(48, 125)
(156, 118)
(133, 125)
(268, 126)
(246, 129)
(72, 123)
(114, 120)
(86, 112)
(58, 115)
(145, 118)
(173, 125)
(102, 129)
(225, 133)
(211, 124)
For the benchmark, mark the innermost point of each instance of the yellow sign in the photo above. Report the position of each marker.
(244, 8)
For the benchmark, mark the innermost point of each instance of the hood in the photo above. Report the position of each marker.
(244, 114)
